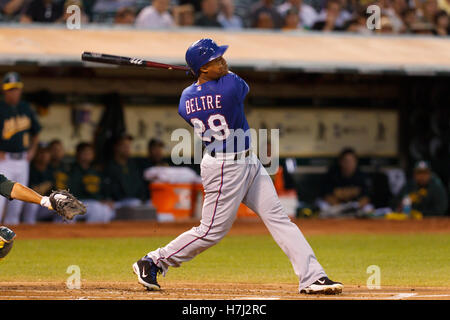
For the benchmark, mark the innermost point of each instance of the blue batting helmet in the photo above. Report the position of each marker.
(201, 52)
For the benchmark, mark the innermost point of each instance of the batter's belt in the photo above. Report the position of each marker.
(230, 156)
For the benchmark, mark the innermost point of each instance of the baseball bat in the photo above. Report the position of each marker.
(127, 61)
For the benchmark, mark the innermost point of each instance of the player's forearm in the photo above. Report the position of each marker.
(12, 6)
(23, 193)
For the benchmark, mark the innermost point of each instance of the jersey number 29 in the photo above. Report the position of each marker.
(217, 125)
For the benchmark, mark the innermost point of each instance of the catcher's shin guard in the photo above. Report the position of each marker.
(6, 241)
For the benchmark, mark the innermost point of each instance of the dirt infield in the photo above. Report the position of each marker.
(240, 227)
(194, 291)
(228, 291)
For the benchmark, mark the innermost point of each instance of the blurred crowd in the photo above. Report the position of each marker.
(107, 178)
(348, 191)
(397, 16)
(104, 187)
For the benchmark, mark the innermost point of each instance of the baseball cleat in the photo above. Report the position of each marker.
(323, 286)
(147, 272)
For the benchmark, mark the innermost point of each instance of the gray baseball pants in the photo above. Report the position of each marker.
(227, 183)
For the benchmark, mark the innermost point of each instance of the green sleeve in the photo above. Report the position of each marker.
(6, 186)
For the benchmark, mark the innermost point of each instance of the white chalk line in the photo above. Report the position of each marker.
(433, 296)
(401, 296)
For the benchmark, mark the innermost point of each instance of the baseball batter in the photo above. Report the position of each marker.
(231, 174)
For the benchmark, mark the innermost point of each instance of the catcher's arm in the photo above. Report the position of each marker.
(23, 193)
(62, 202)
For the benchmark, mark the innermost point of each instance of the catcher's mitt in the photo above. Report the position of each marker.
(66, 205)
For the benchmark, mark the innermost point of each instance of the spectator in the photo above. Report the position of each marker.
(332, 18)
(291, 19)
(441, 23)
(208, 15)
(124, 16)
(86, 183)
(57, 153)
(386, 26)
(358, 24)
(346, 188)
(155, 153)
(83, 19)
(124, 181)
(110, 6)
(264, 21)
(227, 18)
(398, 6)
(155, 158)
(409, 19)
(444, 5)
(428, 11)
(44, 11)
(58, 167)
(334, 11)
(155, 16)
(41, 181)
(426, 191)
(307, 14)
(11, 8)
(184, 15)
(196, 4)
(264, 14)
(393, 9)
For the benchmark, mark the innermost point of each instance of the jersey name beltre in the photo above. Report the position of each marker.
(215, 109)
(203, 103)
